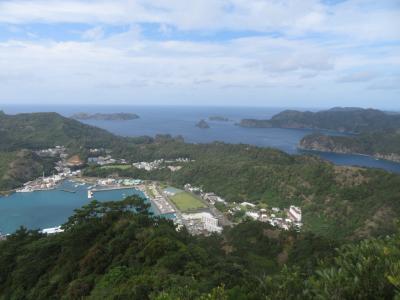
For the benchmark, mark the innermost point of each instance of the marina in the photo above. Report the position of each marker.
(51, 208)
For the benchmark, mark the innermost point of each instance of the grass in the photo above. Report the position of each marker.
(120, 167)
(187, 202)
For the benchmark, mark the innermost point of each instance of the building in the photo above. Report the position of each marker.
(252, 215)
(247, 204)
(294, 214)
(53, 230)
(204, 221)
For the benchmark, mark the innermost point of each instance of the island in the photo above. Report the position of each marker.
(203, 124)
(219, 119)
(105, 117)
(257, 209)
(369, 131)
(341, 119)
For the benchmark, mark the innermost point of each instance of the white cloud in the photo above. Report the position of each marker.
(306, 45)
(358, 19)
(357, 77)
(95, 33)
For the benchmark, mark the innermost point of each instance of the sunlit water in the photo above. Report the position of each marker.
(44, 209)
(182, 120)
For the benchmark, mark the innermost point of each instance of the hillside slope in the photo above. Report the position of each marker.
(108, 252)
(43, 130)
(383, 145)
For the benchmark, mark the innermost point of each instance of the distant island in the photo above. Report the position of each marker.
(203, 124)
(372, 132)
(105, 117)
(342, 119)
(219, 119)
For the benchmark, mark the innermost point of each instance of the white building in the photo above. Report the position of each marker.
(252, 215)
(209, 222)
(53, 230)
(294, 213)
(247, 204)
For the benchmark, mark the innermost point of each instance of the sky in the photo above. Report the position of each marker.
(292, 53)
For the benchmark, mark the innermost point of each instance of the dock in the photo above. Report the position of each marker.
(112, 188)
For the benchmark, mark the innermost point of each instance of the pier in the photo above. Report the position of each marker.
(112, 188)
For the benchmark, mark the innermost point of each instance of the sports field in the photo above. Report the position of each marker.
(186, 202)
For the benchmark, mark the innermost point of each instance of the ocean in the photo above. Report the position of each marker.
(181, 120)
(52, 208)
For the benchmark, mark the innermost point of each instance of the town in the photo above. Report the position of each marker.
(200, 212)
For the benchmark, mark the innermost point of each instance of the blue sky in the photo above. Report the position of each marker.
(307, 53)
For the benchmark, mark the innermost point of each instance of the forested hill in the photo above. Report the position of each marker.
(337, 202)
(42, 130)
(382, 145)
(109, 252)
(354, 120)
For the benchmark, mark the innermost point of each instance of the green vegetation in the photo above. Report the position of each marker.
(109, 252)
(18, 167)
(337, 202)
(44, 130)
(378, 131)
(338, 119)
(37, 131)
(187, 202)
(382, 144)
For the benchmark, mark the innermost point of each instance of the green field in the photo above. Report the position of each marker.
(120, 167)
(187, 202)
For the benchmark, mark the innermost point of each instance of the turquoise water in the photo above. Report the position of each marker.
(44, 209)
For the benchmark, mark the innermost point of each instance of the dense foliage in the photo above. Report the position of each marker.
(382, 144)
(110, 252)
(338, 202)
(43, 130)
(18, 167)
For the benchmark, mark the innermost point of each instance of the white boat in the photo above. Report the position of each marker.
(24, 190)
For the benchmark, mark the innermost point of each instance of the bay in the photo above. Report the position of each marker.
(45, 209)
(181, 120)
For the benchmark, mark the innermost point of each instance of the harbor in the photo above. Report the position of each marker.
(51, 208)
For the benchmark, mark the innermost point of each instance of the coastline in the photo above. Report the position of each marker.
(376, 156)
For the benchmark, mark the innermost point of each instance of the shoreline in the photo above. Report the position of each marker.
(377, 158)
